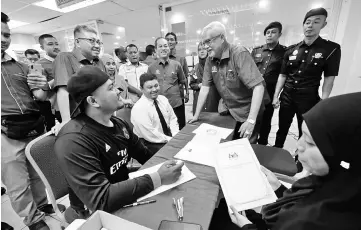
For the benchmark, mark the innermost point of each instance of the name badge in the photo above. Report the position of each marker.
(258, 55)
(157, 71)
(291, 58)
(214, 69)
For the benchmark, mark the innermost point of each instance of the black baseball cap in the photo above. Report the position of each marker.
(316, 11)
(83, 83)
(273, 25)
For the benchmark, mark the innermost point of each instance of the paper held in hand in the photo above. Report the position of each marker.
(186, 176)
(243, 183)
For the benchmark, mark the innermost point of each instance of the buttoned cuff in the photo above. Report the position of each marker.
(156, 179)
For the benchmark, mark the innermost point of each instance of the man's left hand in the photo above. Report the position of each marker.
(186, 98)
(38, 81)
(246, 130)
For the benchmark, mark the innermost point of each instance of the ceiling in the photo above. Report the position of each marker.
(139, 21)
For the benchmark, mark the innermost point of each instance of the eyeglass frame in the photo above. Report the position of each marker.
(92, 41)
(210, 40)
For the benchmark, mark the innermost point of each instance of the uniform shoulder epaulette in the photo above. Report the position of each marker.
(284, 47)
(332, 43)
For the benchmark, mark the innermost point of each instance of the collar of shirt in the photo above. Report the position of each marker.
(265, 47)
(173, 53)
(316, 42)
(161, 61)
(6, 58)
(136, 66)
(47, 57)
(148, 101)
(225, 52)
(79, 56)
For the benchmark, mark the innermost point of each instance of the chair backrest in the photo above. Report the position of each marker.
(41, 155)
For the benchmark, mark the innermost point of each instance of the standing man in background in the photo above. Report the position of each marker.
(51, 47)
(151, 55)
(268, 59)
(120, 53)
(131, 71)
(31, 56)
(302, 69)
(231, 69)
(172, 41)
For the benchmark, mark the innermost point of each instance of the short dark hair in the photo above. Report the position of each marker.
(80, 28)
(117, 50)
(156, 41)
(43, 36)
(31, 52)
(4, 18)
(129, 46)
(150, 49)
(173, 34)
(146, 77)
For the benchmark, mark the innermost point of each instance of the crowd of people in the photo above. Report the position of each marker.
(78, 96)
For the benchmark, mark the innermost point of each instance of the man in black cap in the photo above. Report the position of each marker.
(302, 69)
(94, 147)
(268, 58)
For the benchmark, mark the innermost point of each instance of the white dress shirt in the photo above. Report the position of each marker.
(146, 122)
(132, 73)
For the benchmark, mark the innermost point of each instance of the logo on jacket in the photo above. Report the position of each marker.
(318, 55)
(107, 147)
(295, 52)
(157, 71)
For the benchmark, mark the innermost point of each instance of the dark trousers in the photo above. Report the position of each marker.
(181, 115)
(254, 136)
(294, 101)
(45, 110)
(152, 147)
(267, 117)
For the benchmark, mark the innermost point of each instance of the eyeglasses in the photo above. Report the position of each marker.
(210, 40)
(170, 39)
(92, 41)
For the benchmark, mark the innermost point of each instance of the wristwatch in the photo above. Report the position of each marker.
(251, 121)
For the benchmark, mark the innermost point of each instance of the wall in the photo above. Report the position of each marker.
(348, 35)
(20, 43)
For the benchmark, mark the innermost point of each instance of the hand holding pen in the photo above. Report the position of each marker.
(139, 203)
(170, 171)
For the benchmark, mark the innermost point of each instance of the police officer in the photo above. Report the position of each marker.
(302, 69)
(268, 59)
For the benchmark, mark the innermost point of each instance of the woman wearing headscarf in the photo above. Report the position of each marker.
(111, 68)
(330, 198)
(211, 104)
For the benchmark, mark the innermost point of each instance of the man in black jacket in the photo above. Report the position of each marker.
(94, 147)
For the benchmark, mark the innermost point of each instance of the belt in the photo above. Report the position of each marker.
(298, 88)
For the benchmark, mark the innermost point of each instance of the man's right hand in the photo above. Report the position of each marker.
(170, 172)
(276, 102)
(193, 119)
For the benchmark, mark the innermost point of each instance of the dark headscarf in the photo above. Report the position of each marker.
(331, 202)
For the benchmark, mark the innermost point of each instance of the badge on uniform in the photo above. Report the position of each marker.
(80, 66)
(318, 55)
(214, 69)
(291, 58)
(157, 71)
(295, 52)
(258, 55)
(126, 134)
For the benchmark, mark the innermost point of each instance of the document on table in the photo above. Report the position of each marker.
(243, 183)
(186, 176)
(200, 149)
(207, 128)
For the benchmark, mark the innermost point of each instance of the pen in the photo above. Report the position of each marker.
(139, 203)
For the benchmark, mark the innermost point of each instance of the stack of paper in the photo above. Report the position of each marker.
(186, 176)
(200, 149)
(243, 184)
(213, 130)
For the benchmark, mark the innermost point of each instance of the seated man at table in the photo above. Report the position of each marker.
(94, 147)
(152, 116)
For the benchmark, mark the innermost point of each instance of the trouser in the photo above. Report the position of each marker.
(75, 202)
(45, 110)
(24, 186)
(153, 147)
(294, 101)
(181, 115)
(267, 117)
(254, 135)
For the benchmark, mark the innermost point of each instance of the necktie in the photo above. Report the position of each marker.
(165, 128)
